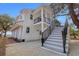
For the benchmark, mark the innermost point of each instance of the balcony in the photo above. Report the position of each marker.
(45, 20)
(38, 19)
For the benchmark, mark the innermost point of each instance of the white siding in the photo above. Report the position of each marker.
(33, 34)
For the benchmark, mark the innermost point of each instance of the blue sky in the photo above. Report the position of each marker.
(61, 19)
(13, 9)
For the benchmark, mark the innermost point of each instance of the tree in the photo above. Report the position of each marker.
(77, 32)
(73, 32)
(57, 23)
(73, 14)
(66, 9)
(5, 23)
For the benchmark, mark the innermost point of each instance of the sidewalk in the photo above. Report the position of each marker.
(28, 49)
(34, 49)
(74, 48)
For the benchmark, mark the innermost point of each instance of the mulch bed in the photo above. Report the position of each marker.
(10, 41)
(3, 42)
(2, 47)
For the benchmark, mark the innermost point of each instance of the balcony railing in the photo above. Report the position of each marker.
(39, 20)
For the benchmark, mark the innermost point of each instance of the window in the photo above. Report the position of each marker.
(31, 16)
(27, 30)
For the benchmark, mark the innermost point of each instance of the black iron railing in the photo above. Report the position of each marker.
(47, 32)
(64, 36)
(45, 35)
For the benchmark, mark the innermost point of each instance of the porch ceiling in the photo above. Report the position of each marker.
(39, 27)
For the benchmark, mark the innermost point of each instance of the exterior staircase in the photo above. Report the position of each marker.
(55, 42)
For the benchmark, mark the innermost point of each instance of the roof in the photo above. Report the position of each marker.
(16, 26)
(25, 11)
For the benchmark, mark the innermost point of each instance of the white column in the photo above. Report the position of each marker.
(46, 16)
(42, 27)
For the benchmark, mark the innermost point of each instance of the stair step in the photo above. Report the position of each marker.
(60, 41)
(52, 47)
(56, 48)
(55, 43)
(54, 38)
(55, 35)
(59, 27)
(57, 30)
(58, 33)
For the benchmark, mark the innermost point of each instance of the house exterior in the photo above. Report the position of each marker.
(38, 24)
(31, 23)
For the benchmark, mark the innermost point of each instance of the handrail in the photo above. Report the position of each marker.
(64, 36)
(45, 34)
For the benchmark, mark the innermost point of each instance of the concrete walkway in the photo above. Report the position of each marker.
(34, 49)
(74, 48)
(28, 49)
